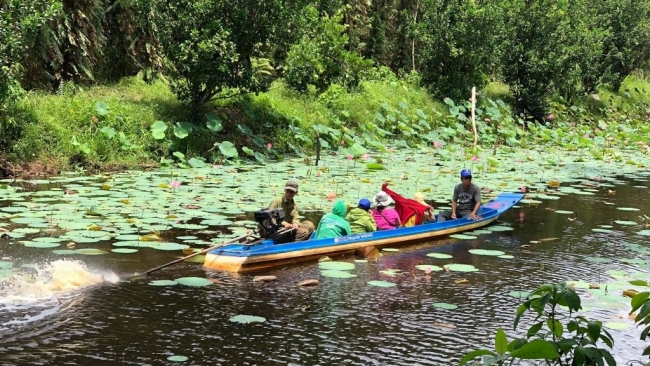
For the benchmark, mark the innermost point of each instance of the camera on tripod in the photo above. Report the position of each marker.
(269, 225)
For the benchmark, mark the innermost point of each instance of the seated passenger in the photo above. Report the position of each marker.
(360, 219)
(411, 212)
(385, 217)
(465, 201)
(333, 225)
(428, 214)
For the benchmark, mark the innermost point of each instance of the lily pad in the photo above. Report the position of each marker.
(90, 251)
(628, 223)
(247, 319)
(627, 209)
(644, 233)
(163, 283)
(519, 294)
(334, 265)
(506, 256)
(4, 264)
(33, 244)
(616, 325)
(194, 281)
(124, 250)
(337, 274)
(461, 267)
(177, 358)
(440, 255)
(444, 305)
(501, 228)
(488, 252)
(382, 283)
(462, 236)
(599, 230)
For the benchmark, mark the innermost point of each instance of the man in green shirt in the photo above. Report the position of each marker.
(291, 220)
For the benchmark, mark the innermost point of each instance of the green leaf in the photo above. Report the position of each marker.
(472, 355)
(182, 129)
(537, 349)
(213, 122)
(244, 129)
(102, 109)
(158, 129)
(534, 329)
(261, 158)
(516, 343)
(555, 327)
(248, 151)
(638, 300)
(179, 155)
(108, 131)
(196, 163)
(639, 283)
(228, 149)
(572, 299)
(593, 330)
(501, 342)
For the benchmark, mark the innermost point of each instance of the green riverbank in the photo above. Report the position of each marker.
(109, 127)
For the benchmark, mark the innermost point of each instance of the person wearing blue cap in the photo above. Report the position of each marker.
(360, 219)
(466, 199)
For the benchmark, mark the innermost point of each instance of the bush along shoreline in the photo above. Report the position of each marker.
(133, 124)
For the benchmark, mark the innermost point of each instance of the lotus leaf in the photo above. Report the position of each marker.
(461, 267)
(599, 230)
(163, 283)
(167, 246)
(487, 252)
(124, 250)
(627, 223)
(32, 244)
(90, 251)
(444, 305)
(501, 228)
(462, 236)
(627, 209)
(247, 319)
(337, 274)
(439, 255)
(65, 251)
(563, 212)
(382, 283)
(644, 233)
(177, 358)
(339, 266)
(5, 264)
(616, 325)
(519, 294)
(194, 281)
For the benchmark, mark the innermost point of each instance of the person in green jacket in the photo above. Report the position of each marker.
(360, 219)
(333, 225)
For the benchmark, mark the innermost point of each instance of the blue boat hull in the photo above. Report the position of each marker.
(242, 257)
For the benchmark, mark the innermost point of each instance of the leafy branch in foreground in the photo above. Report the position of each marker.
(571, 343)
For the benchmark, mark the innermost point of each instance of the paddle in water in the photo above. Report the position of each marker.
(146, 273)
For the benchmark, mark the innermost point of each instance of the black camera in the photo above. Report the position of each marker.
(269, 221)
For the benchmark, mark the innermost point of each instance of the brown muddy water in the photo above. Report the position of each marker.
(67, 314)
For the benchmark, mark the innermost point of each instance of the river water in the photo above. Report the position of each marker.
(80, 312)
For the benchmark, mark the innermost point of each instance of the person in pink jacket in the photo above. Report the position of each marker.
(385, 217)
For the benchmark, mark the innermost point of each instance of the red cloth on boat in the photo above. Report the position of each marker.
(406, 207)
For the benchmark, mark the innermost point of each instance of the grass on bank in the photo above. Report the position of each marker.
(50, 123)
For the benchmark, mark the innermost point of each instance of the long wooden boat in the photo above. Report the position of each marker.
(245, 257)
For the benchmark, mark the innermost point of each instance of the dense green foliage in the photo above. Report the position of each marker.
(557, 336)
(355, 65)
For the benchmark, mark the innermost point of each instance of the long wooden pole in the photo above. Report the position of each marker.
(474, 116)
(191, 255)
